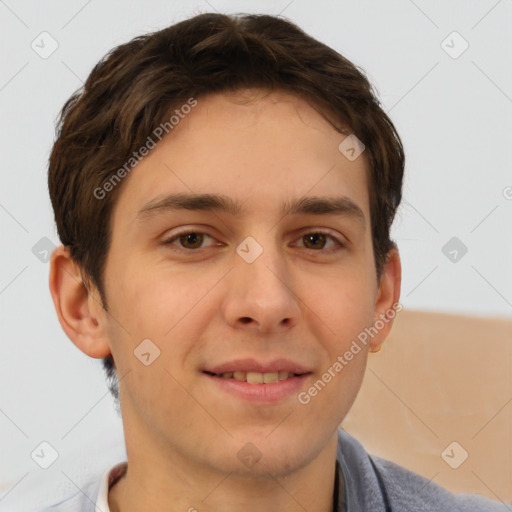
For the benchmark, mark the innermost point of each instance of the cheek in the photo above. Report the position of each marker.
(150, 298)
(331, 395)
(166, 307)
(343, 301)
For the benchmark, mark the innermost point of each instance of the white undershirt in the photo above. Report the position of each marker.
(106, 483)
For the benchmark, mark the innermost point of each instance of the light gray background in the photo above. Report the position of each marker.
(453, 114)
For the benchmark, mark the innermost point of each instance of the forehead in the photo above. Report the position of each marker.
(262, 148)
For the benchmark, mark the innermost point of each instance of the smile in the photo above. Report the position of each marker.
(256, 377)
(259, 388)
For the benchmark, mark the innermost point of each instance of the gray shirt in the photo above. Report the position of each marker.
(370, 484)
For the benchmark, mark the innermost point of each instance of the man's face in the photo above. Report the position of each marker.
(206, 305)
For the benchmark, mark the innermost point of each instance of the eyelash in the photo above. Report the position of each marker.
(169, 242)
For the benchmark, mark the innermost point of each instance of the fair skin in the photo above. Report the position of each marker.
(304, 299)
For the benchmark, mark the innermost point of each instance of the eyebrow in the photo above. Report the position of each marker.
(313, 205)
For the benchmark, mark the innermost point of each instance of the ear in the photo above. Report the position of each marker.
(79, 309)
(388, 296)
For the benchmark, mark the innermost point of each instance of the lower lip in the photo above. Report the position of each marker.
(263, 393)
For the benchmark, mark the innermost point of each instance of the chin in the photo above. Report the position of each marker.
(261, 453)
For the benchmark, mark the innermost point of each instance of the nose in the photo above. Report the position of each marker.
(261, 294)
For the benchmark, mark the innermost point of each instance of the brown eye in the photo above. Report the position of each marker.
(194, 239)
(314, 240)
(188, 240)
(317, 241)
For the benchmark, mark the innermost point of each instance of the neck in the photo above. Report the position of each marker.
(152, 483)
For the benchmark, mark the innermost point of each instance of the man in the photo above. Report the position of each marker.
(224, 190)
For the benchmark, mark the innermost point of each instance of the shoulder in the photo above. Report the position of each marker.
(83, 500)
(93, 496)
(405, 489)
(408, 490)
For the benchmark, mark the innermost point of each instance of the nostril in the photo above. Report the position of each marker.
(245, 320)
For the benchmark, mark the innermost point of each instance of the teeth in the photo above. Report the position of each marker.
(239, 376)
(257, 378)
(254, 378)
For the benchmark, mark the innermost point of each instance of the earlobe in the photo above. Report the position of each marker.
(80, 314)
(387, 302)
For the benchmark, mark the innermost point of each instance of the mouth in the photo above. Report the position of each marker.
(260, 382)
(256, 377)
(258, 388)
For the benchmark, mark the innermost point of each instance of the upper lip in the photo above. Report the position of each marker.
(251, 365)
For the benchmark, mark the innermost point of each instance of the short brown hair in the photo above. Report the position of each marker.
(136, 86)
